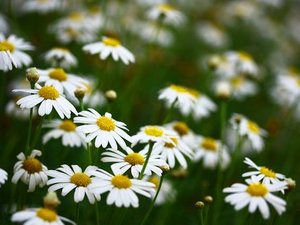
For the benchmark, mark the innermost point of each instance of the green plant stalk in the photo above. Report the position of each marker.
(76, 213)
(89, 154)
(37, 133)
(223, 114)
(29, 126)
(97, 213)
(170, 112)
(151, 143)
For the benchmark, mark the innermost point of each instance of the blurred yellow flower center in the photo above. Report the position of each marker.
(253, 127)
(111, 42)
(267, 172)
(154, 180)
(80, 179)
(154, 131)
(245, 56)
(172, 144)
(72, 32)
(181, 128)
(209, 144)
(121, 182)
(76, 16)
(46, 215)
(237, 81)
(61, 49)
(49, 92)
(7, 46)
(184, 90)
(135, 159)
(58, 74)
(67, 125)
(106, 123)
(165, 8)
(257, 189)
(32, 165)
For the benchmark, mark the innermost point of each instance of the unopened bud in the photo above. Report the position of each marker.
(80, 93)
(199, 205)
(110, 95)
(32, 75)
(208, 199)
(51, 200)
(214, 62)
(179, 173)
(290, 183)
(165, 168)
(223, 90)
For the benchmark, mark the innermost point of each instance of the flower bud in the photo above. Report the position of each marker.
(199, 205)
(208, 199)
(110, 95)
(290, 183)
(79, 93)
(51, 200)
(223, 90)
(32, 75)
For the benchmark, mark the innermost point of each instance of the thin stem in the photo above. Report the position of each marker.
(206, 214)
(89, 153)
(223, 120)
(97, 213)
(81, 104)
(76, 213)
(151, 143)
(169, 113)
(153, 201)
(29, 126)
(37, 133)
(201, 217)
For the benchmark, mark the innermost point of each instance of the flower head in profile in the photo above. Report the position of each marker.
(122, 190)
(12, 52)
(30, 170)
(66, 130)
(48, 97)
(104, 129)
(60, 57)
(3, 177)
(256, 195)
(110, 46)
(43, 6)
(72, 177)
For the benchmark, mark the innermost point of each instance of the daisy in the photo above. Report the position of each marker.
(213, 152)
(48, 97)
(68, 34)
(256, 195)
(65, 129)
(30, 170)
(203, 106)
(43, 6)
(104, 129)
(212, 34)
(68, 178)
(167, 13)
(3, 176)
(39, 216)
(61, 57)
(66, 83)
(242, 87)
(110, 46)
(133, 161)
(13, 110)
(173, 150)
(12, 52)
(243, 62)
(122, 190)
(263, 174)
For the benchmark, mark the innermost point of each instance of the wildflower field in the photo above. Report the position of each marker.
(149, 112)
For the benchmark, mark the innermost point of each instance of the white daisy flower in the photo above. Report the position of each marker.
(104, 129)
(3, 176)
(68, 178)
(43, 6)
(242, 87)
(66, 83)
(30, 170)
(122, 190)
(68, 34)
(12, 52)
(110, 46)
(13, 110)
(256, 195)
(133, 161)
(263, 174)
(167, 13)
(213, 152)
(203, 106)
(212, 34)
(48, 97)
(65, 129)
(39, 216)
(60, 57)
(173, 150)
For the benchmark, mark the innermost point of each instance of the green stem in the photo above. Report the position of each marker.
(223, 120)
(206, 214)
(151, 143)
(169, 113)
(76, 213)
(97, 213)
(29, 126)
(81, 104)
(89, 153)
(37, 133)
(153, 201)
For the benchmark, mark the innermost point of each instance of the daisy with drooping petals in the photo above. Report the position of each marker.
(60, 57)
(12, 52)
(39, 216)
(104, 129)
(48, 97)
(213, 152)
(110, 46)
(3, 176)
(30, 170)
(68, 178)
(133, 161)
(65, 129)
(122, 190)
(256, 195)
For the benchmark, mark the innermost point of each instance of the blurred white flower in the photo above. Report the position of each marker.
(60, 57)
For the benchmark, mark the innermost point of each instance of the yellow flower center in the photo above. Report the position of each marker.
(209, 144)
(67, 125)
(61, 49)
(121, 182)
(113, 42)
(76, 16)
(58, 74)
(184, 90)
(7, 46)
(253, 127)
(135, 159)
(32, 165)
(172, 144)
(237, 81)
(49, 92)
(106, 123)
(165, 8)
(257, 189)
(245, 56)
(46, 214)
(298, 82)
(267, 172)
(154, 131)
(72, 32)
(80, 179)
(181, 128)
(154, 180)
